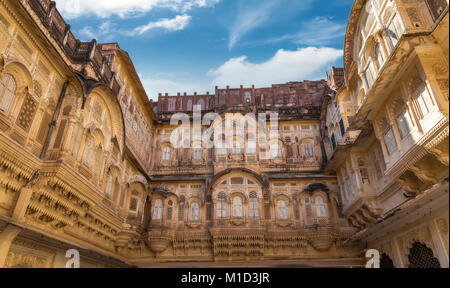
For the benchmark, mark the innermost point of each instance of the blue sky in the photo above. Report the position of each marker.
(194, 45)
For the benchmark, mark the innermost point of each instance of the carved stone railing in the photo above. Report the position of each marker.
(78, 52)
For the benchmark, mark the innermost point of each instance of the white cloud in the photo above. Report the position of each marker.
(250, 17)
(174, 24)
(124, 8)
(106, 31)
(87, 33)
(320, 31)
(303, 64)
(306, 63)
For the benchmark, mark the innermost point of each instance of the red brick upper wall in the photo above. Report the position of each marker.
(291, 94)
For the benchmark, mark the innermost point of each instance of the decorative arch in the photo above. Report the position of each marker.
(98, 135)
(21, 74)
(114, 112)
(262, 181)
(138, 179)
(19, 86)
(74, 95)
(164, 191)
(313, 187)
(91, 88)
(420, 235)
(237, 194)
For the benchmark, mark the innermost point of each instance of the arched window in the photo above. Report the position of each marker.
(221, 206)
(134, 201)
(253, 206)
(167, 154)
(238, 209)
(189, 105)
(421, 256)
(282, 210)
(108, 189)
(309, 150)
(158, 210)
(88, 152)
(321, 208)
(7, 92)
(237, 148)
(198, 152)
(194, 211)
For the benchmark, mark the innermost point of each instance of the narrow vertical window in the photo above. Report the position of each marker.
(309, 150)
(282, 210)
(321, 208)
(253, 206)
(198, 152)
(201, 103)
(157, 210)
(194, 212)
(389, 139)
(189, 105)
(7, 92)
(238, 210)
(166, 156)
(221, 207)
(423, 101)
(402, 120)
(133, 207)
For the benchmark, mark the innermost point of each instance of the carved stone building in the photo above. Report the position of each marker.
(360, 161)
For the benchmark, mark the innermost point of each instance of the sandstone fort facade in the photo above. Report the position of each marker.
(361, 159)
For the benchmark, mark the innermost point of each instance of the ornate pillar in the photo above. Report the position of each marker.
(65, 146)
(355, 169)
(380, 138)
(439, 244)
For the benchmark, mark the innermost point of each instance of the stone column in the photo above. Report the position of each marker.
(22, 203)
(6, 238)
(398, 259)
(68, 137)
